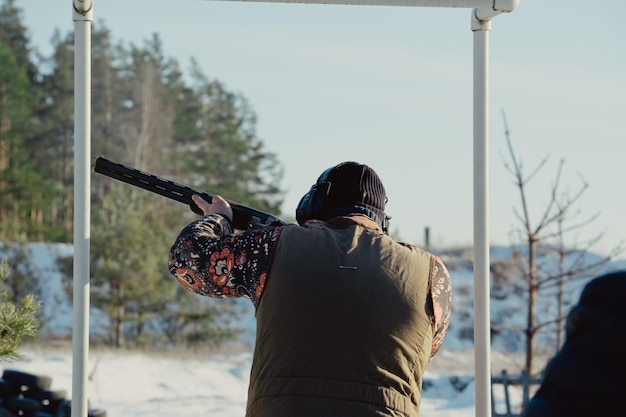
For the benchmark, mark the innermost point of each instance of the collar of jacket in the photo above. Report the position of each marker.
(343, 222)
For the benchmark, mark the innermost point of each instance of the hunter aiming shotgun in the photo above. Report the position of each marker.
(243, 217)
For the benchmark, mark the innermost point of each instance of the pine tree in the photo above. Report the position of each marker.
(129, 266)
(54, 141)
(25, 185)
(20, 182)
(16, 321)
(145, 112)
(223, 153)
(13, 31)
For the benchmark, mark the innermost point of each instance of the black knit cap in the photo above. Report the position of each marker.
(354, 186)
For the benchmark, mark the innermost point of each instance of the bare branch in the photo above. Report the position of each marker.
(559, 217)
(547, 323)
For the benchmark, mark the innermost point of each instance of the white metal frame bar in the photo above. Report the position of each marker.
(482, 13)
(494, 5)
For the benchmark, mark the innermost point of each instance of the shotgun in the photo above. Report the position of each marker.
(243, 217)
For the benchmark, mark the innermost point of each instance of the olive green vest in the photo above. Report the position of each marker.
(343, 326)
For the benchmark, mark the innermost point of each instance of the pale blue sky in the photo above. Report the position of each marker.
(392, 87)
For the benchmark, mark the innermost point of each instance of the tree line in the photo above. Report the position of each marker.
(147, 113)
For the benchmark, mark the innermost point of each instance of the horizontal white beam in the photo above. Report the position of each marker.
(496, 5)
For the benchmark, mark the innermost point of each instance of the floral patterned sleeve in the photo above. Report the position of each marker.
(209, 259)
(441, 293)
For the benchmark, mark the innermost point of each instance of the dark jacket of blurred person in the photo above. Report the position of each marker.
(587, 377)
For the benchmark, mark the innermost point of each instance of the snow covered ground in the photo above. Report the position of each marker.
(158, 385)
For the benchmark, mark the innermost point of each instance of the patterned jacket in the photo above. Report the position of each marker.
(401, 294)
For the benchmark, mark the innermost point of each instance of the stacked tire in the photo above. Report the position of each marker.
(29, 395)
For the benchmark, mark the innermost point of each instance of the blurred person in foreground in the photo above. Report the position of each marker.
(347, 318)
(586, 377)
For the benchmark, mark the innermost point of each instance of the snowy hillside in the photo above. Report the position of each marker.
(507, 302)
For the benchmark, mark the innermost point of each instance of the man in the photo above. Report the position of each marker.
(586, 376)
(347, 319)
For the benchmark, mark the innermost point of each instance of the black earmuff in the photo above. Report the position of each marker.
(312, 204)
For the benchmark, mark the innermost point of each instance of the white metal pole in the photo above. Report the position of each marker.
(482, 337)
(83, 16)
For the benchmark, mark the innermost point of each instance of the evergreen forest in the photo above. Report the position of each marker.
(146, 113)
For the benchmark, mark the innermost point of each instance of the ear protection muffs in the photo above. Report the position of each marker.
(312, 204)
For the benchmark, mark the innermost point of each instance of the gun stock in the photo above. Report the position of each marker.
(243, 217)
